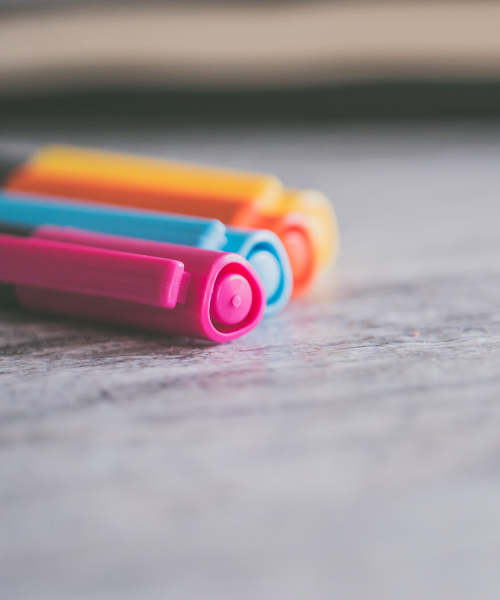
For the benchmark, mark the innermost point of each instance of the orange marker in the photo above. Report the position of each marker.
(234, 197)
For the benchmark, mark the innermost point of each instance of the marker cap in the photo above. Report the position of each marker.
(321, 220)
(209, 271)
(296, 237)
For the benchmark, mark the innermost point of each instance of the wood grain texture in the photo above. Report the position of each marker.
(348, 448)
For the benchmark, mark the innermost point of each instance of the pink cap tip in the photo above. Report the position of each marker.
(231, 299)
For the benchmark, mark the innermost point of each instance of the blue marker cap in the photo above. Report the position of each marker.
(148, 225)
(267, 255)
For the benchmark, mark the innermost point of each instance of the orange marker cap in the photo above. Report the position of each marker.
(295, 234)
(321, 221)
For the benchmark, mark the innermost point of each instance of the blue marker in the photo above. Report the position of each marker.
(261, 248)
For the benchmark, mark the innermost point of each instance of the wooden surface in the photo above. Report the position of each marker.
(346, 449)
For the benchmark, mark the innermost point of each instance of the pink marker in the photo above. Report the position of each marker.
(220, 296)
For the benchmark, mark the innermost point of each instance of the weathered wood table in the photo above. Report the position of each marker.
(347, 449)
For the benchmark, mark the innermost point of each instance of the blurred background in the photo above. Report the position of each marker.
(347, 450)
(282, 60)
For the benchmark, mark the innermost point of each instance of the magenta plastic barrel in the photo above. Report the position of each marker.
(223, 299)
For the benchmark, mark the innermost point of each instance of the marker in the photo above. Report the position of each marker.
(262, 249)
(220, 299)
(235, 198)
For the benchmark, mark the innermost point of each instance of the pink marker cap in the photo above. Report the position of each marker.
(224, 299)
